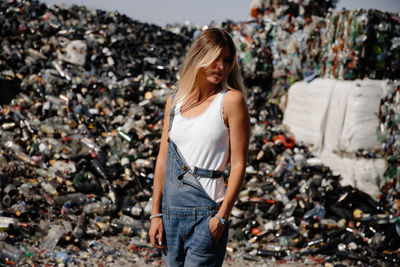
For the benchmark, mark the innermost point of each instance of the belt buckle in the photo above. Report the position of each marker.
(185, 168)
(190, 169)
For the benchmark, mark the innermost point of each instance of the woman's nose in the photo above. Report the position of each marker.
(220, 64)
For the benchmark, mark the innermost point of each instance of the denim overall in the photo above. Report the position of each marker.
(187, 209)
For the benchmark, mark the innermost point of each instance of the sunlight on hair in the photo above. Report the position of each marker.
(204, 50)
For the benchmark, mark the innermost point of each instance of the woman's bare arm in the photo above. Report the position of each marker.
(236, 111)
(239, 135)
(156, 228)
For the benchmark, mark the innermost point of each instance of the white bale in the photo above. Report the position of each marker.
(338, 118)
(306, 110)
(361, 119)
(335, 116)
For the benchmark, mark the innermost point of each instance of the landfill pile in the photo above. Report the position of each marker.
(80, 135)
(388, 134)
(281, 49)
(258, 8)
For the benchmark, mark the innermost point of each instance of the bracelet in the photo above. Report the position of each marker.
(223, 221)
(155, 216)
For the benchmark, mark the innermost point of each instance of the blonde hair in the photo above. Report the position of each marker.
(204, 51)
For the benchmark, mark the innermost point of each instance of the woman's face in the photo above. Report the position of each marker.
(218, 70)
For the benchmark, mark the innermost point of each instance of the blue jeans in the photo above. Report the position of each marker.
(187, 210)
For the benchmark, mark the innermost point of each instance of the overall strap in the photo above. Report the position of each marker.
(171, 113)
(179, 160)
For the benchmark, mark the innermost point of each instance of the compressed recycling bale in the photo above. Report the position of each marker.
(335, 118)
(305, 116)
(361, 120)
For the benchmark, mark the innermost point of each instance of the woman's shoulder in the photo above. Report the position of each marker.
(235, 109)
(234, 105)
(234, 97)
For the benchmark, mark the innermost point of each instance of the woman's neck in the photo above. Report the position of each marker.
(202, 91)
(199, 95)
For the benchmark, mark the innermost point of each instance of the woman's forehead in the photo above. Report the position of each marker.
(225, 51)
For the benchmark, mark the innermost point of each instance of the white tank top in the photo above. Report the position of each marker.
(203, 141)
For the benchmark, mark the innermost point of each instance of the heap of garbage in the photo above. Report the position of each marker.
(347, 45)
(388, 134)
(80, 126)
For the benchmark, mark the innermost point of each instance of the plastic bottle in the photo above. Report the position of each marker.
(50, 241)
(78, 231)
(97, 166)
(73, 198)
(318, 210)
(290, 207)
(10, 252)
(95, 208)
(49, 188)
(62, 257)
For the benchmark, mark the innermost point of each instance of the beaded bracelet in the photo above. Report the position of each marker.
(155, 216)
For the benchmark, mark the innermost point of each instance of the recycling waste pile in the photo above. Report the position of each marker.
(279, 50)
(83, 94)
(389, 136)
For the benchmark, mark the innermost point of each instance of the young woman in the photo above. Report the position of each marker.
(206, 127)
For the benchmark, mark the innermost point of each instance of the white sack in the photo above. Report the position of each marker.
(306, 110)
(334, 120)
(361, 119)
(338, 118)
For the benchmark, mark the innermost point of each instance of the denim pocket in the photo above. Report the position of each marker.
(209, 230)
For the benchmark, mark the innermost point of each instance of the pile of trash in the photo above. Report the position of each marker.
(81, 127)
(80, 135)
(388, 134)
(279, 8)
(277, 51)
(281, 48)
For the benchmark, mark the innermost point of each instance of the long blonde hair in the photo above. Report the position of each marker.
(204, 50)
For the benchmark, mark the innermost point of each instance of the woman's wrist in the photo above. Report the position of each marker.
(155, 211)
(156, 215)
(222, 220)
(223, 212)
(156, 207)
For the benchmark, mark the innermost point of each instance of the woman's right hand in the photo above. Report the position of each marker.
(156, 232)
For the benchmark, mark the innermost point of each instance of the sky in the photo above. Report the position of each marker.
(162, 12)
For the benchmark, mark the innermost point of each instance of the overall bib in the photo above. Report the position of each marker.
(187, 209)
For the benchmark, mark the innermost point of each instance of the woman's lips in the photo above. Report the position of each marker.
(218, 74)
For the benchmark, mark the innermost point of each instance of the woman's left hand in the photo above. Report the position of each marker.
(216, 229)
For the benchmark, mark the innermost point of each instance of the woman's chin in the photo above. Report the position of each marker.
(215, 80)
